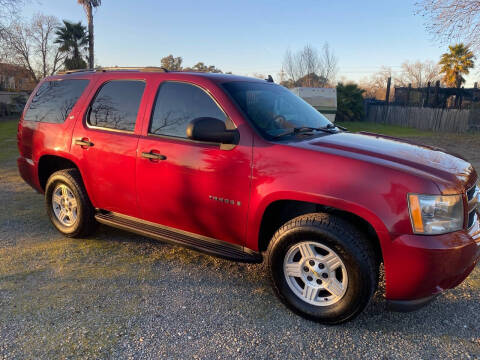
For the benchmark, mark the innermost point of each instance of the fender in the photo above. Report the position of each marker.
(67, 156)
(256, 215)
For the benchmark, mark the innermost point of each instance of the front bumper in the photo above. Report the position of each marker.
(418, 266)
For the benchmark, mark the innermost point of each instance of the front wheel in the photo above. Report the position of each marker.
(322, 268)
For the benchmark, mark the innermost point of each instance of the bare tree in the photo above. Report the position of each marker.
(452, 20)
(376, 86)
(291, 66)
(8, 9)
(308, 67)
(329, 64)
(419, 74)
(259, 76)
(310, 64)
(31, 45)
(48, 55)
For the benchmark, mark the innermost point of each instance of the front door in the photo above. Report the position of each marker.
(105, 144)
(193, 186)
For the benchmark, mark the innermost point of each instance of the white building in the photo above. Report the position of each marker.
(322, 99)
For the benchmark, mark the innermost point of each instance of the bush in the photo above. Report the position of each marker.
(349, 103)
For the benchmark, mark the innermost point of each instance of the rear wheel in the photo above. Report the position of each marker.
(68, 205)
(322, 268)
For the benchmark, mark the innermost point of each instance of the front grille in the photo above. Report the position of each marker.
(472, 217)
(471, 192)
(473, 201)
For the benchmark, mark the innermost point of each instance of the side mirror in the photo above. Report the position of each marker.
(211, 130)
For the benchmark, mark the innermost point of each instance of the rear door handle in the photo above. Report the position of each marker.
(153, 156)
(83, 143)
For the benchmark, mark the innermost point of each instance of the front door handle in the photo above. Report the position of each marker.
(153, 156)
(84, 143)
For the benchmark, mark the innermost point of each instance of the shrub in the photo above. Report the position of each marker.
(349, 103)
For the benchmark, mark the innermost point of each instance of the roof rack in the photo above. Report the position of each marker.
(116, 68)
(133, 68)
(64, 72)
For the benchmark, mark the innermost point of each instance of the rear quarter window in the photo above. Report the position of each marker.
(54, 100)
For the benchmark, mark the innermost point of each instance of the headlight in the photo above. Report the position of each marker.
(432, 214)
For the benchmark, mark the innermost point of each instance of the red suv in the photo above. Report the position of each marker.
(243, 169)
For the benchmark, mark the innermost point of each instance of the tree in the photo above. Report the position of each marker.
(72, 38)
(456, 63)
(310, 68)
(349, 103)
(201, 67)
(42, 31)
(419, 74)
(8, 10)
(376, 86)
(452, 20)
(172, 63)
(88, 6)
(8, 13)
(31, 45)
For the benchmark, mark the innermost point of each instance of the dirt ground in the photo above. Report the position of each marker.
(117, 295)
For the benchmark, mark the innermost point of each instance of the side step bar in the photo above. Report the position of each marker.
(193, 241)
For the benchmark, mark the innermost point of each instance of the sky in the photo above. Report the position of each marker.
(251, 36)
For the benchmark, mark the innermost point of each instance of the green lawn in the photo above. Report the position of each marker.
(391, 130)
(8, 138)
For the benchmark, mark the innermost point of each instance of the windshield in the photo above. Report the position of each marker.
(273, 109)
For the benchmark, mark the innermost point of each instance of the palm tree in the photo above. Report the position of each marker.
(88, 5)
(72, 38)
(456, 63)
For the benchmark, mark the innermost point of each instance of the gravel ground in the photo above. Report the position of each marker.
(118, 295)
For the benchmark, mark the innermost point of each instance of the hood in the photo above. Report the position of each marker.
(452, 173)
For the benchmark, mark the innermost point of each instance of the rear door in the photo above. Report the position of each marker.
(198, 187)
(105, 142)
(48, 122)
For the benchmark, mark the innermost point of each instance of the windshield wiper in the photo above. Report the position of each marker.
(304, 129)
(332, 126)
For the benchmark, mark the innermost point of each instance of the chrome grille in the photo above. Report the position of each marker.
(473, 199)
(472, 192)
(472, 217)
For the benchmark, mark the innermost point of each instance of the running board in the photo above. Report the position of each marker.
(193, 241)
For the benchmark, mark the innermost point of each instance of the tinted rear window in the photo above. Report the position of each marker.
(116, 105)
(54, 100)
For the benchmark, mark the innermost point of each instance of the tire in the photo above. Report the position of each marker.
(79, 220)
(339, 279)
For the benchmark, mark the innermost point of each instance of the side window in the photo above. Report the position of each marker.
(177, 104)
(54, 100)
(116, 105)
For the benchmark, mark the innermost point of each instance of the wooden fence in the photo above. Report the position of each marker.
(424, 118)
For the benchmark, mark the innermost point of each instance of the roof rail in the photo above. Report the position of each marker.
(134, 68)
(64, 72)
(116, 68)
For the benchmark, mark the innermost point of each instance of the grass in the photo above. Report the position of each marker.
(390, 130)
(8, 131)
